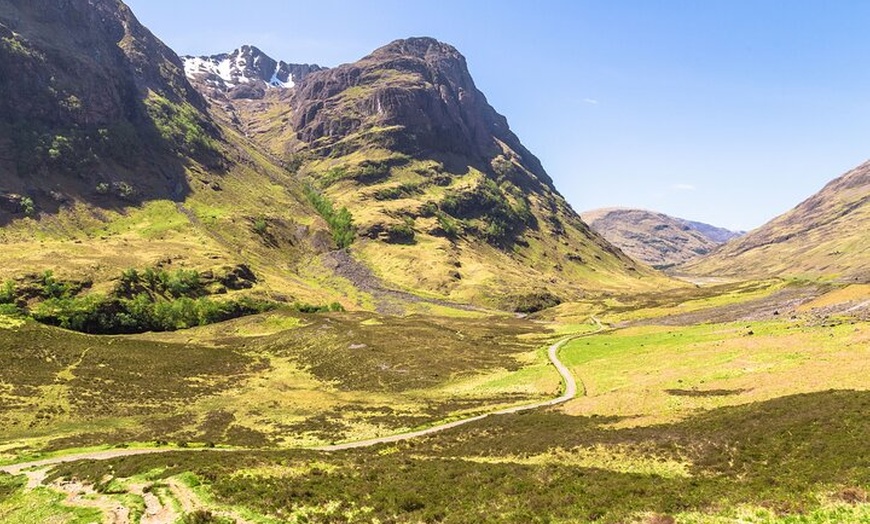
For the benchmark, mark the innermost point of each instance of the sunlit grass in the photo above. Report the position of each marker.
(655, 373)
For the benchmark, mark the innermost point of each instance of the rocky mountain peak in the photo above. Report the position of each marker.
(419, 47)
(245, 73)
(419, 97)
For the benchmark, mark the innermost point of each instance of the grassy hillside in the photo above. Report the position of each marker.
(824, 236)
(369, 224)
(471, 220)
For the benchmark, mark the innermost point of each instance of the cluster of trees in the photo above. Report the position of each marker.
(143, 300)
(160, 283)
(340, 222)
(112, 315)
(149, 300)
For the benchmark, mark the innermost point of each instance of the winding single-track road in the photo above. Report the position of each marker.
(553, 353)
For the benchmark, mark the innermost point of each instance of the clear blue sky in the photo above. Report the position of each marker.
(724, 111)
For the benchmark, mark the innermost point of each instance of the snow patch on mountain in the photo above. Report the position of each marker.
(246, 65)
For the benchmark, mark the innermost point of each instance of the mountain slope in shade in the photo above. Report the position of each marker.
(656, 239)
(90, 98)
(826, 235)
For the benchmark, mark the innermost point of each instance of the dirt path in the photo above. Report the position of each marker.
(552, 352)
(156, 512)
(83, 496)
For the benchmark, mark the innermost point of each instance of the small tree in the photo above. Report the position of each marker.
(260, 226)
(28, 207)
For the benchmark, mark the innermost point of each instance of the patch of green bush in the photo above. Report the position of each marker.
(332, 176)
(448, 225)
(54, 288)
(180, 125)
(504, 213)
(402, 233)
(302, 307)
(294, 161)
(401, 191)
(7, 292)
(260, 225)
(533, 302)
(372, 171)
(98, 314)
(340, 222)
(160, 283)
(10, 484)
(10, 310)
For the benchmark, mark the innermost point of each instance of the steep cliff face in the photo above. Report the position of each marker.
(415, 96)
(88, 98)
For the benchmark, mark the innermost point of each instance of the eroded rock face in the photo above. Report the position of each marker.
(415, 96)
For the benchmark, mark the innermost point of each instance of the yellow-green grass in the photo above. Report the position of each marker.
(279, 379)
(654, 374)
(654, 305)
(792, 459)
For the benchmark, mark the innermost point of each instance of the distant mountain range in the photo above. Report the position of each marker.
(656, 239)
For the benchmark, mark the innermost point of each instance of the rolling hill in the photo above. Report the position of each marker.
(823, 236)
(656, 239)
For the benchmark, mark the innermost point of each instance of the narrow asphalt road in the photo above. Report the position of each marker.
(553, 353)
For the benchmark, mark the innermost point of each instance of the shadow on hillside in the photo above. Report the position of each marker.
(779, 455)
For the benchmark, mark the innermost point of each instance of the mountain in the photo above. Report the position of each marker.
(656, 239)
(247, 72)
(113, 160)
(432, 173)
(89, 99)
(824, 236)
(389, 183)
